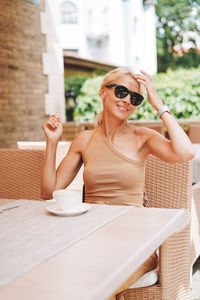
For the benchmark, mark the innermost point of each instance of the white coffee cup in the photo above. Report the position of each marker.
(68, 200)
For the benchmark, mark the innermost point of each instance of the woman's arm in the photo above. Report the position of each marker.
(53, 179)
(48, 179)
(178, 148)
(53, 131)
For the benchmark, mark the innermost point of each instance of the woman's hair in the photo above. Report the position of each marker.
(116, 74)
(111, 78)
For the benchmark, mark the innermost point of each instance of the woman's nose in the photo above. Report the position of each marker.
(127, 99)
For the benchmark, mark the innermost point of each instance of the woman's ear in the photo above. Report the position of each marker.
(102, 94)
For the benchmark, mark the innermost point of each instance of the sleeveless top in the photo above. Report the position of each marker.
(109, 176)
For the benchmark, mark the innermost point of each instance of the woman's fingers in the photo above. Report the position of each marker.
(51, 124)
(140, 77)
(53, 121)
(56, 117)
(142, 82)
(143, 76)
(145, 73)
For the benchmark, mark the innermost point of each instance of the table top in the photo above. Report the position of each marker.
(95, 266)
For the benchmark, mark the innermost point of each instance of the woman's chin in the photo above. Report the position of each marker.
(121, 116)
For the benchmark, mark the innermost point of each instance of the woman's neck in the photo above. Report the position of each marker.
(112, 126)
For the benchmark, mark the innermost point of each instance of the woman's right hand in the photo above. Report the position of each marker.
(53, 128)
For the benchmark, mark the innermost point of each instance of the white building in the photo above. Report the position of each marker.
(119, 32)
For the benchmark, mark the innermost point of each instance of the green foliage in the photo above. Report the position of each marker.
(179, 89)
(188, 60)
(89, 103)
(176, 20)
(75, 83)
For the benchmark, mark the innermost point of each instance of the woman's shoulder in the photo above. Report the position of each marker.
(143, 132)
(82, 139)
(85, 135)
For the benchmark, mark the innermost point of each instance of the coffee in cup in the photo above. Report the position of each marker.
(68, 200)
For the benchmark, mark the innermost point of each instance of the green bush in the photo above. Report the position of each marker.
(179, 89)
(75, 83)
(89, 103)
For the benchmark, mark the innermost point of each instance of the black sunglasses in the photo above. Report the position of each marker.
(121, 92)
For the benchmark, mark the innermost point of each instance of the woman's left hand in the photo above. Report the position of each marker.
(145, 79)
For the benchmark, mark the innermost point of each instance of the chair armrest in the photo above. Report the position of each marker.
(195, 223)
(175, 263)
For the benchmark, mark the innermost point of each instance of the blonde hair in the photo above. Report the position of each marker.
(116, 74)
(111, 78)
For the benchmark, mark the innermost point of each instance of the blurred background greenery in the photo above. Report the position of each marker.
(177, 32)
(179, 89)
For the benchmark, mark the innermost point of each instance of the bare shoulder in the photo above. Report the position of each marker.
(81, 140)
(143, 132)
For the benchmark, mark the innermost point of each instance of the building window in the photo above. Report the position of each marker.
(68, 13)
(97, 46)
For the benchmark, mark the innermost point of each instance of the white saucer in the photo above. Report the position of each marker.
(53, 208)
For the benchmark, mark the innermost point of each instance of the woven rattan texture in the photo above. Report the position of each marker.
(174, 276)
(195, 246)
(175, 266)
(62, 148)
(146, 293)
(168, 185)
(20, 173)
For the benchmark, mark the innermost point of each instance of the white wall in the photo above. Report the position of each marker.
(53, 65)
(126, 28)
(116, 34)
(150, 54)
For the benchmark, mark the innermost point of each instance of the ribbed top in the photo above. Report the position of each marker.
(109, 176)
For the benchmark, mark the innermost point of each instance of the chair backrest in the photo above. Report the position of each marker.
(168, 185)
(194, 133)
(20, 173)
(62, 149)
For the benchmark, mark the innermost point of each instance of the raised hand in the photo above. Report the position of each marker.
(53, 128)
(145, 79)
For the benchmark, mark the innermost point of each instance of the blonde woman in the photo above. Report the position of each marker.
(114, 153)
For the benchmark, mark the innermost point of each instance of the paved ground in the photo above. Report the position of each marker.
(195, 292)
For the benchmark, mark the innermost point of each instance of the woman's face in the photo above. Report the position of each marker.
(121, 108)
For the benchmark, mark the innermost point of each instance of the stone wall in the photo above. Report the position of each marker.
(22, 83)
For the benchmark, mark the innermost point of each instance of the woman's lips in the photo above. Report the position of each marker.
(122, 108)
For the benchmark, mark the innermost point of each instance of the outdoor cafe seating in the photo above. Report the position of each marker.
(168, 185)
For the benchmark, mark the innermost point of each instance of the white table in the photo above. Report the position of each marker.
(196, 164)
(94, 267)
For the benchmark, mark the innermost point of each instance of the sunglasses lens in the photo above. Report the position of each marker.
(136, 99)
(121, 91)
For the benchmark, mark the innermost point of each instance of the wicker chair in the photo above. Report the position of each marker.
(20, 173)
(62, 149)
(193, 133)
(169, 185)
(195, 224)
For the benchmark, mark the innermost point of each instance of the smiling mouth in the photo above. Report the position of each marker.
(122, 108)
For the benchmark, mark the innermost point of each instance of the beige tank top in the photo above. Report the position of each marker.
(109, 176)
